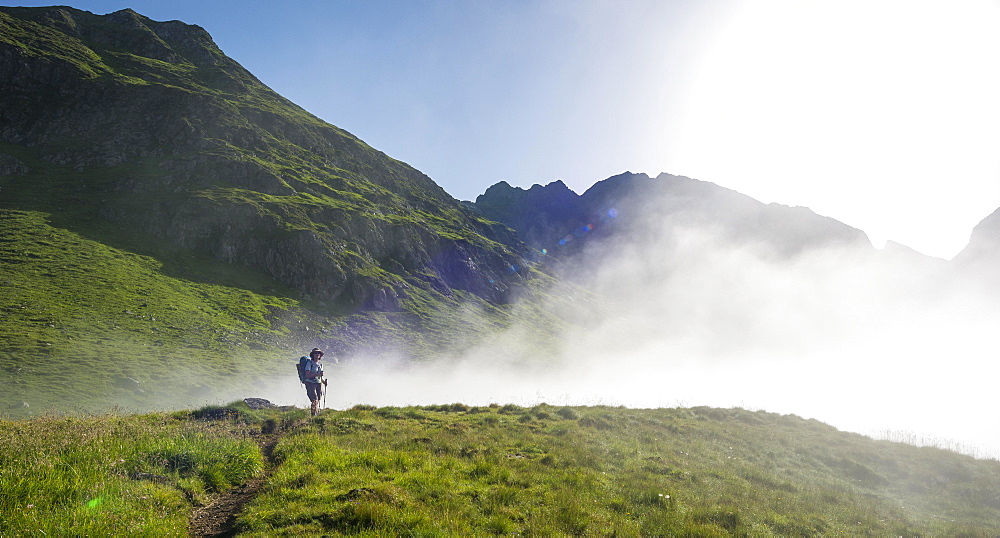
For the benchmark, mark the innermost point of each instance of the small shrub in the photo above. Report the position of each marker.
(511, 409)
(388, 412)
(269, 426)
(457, 427)
(414, 414)
(215, 412)
(568, 413)
(500, 526)
(349, 425)
(599, 423)
(214, 479)
(727, 519)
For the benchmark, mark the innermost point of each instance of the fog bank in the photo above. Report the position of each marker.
(880, 343)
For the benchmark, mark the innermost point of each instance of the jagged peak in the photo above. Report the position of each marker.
(503, 191)
(552, 187)
(497, 189)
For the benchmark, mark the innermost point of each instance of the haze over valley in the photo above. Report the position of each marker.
(727, 302)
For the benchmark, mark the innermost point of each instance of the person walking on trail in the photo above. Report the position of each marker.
(312, 378)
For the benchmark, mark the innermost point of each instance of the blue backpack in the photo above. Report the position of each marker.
(301, 367)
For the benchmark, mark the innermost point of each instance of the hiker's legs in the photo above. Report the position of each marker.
(315, 392)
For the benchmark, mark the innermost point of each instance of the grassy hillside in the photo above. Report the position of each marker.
(86, 325)
(149, 126)
(456, 470)
(103, 317)
(174, 233)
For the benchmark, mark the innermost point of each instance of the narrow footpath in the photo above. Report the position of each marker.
(218, 518)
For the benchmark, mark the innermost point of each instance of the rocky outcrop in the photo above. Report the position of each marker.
(150, 126)
(539, 214)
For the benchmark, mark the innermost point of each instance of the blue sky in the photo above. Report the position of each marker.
(882, 114)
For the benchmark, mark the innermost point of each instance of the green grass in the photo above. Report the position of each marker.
(88, 326)
(456, 470)
(118, 475)
(459, 471)
(79, 318)
(42, 41)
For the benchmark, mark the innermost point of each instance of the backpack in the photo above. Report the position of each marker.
(301, 367)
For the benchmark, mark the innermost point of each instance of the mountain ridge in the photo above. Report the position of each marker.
(553, 218)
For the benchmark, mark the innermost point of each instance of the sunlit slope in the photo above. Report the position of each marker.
(85, 326)
(474, 471)
(150, 126)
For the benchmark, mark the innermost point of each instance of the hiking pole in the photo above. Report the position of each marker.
(324, 393)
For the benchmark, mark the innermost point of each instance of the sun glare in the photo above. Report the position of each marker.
(881, 114)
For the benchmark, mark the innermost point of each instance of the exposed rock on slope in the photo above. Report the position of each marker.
(150, 126)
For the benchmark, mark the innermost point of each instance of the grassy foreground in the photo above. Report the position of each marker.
(452, 470)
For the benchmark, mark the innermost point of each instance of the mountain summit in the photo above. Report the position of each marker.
(150, 127)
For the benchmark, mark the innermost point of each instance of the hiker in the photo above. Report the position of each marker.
(312, 377)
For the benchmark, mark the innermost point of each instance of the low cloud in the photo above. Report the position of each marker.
(868, 341)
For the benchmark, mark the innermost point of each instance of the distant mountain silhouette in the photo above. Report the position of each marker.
(554, 219)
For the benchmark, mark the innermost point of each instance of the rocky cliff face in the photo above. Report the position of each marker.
(539, 214)
(559, 222)
(150, 126)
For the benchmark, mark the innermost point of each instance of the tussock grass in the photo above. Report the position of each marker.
(457, 470)
(460, 471)
(117, 474)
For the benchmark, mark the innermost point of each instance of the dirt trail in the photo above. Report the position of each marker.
(217, 518)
